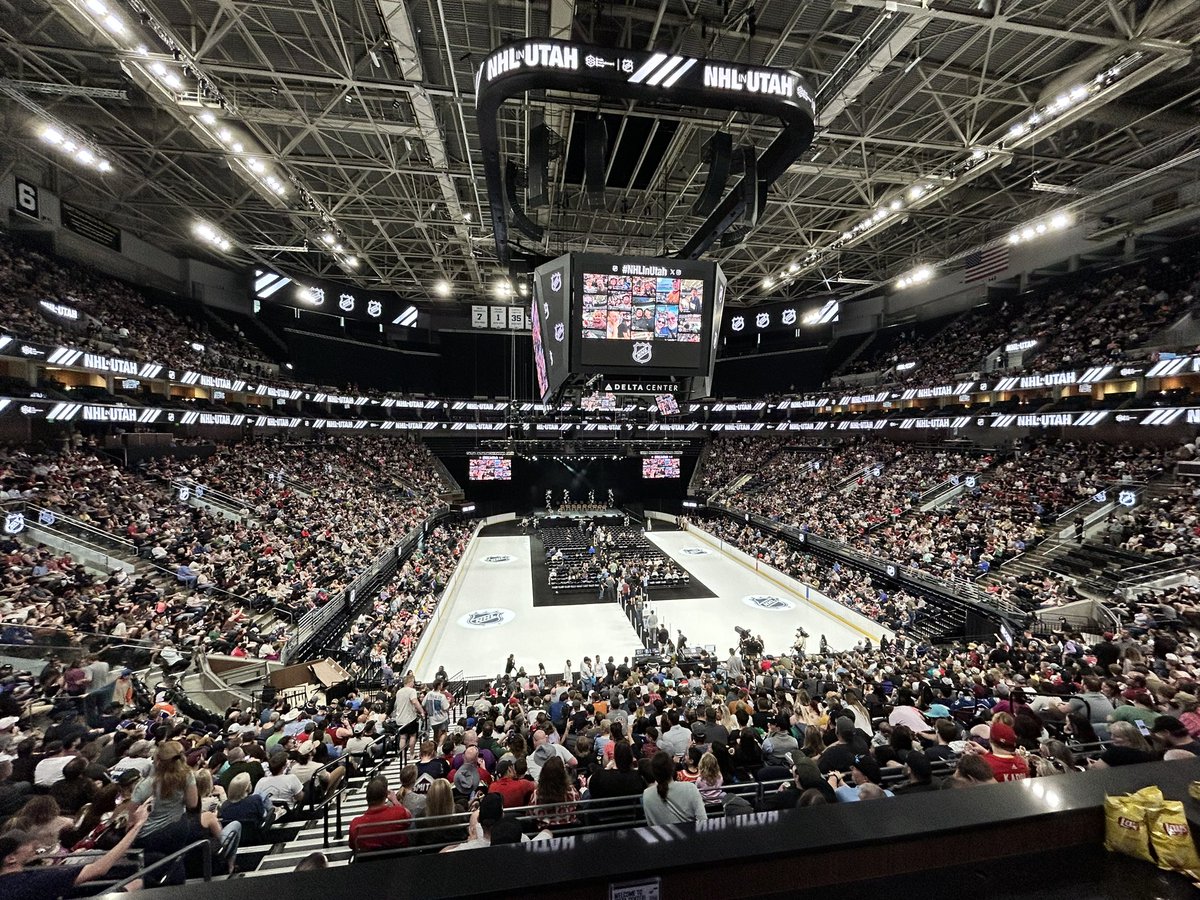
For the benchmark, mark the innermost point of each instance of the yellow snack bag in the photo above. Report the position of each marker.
(1125, 828)
(1172, 839)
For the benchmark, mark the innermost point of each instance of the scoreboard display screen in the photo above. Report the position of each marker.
(489, 468)
(660, 466)
(645, 315)
(632, 319)
(622, 308)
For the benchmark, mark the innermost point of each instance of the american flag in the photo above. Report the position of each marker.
(979, 265)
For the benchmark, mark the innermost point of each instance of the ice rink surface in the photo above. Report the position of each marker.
(491, 612)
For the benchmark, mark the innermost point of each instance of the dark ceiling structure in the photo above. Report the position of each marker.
(338, 138)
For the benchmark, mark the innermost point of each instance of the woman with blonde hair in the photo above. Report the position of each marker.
(711, 780)
(211, 795)
(438, 825)
(172, 787)
(1127, 748)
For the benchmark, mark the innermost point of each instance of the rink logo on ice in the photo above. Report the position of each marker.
(771, 604)
(498, 558)
(694, 551)
(487, 618)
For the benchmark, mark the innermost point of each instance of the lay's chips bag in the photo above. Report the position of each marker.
(1125, 829)
(1172, 839)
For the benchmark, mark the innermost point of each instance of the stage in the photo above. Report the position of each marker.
(491, 611)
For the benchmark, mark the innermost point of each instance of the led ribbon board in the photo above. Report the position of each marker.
(546, 64)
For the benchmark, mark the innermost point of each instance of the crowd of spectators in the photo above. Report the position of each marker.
(1164, 526)
(115, 318)
(809, 726)
(316, 514)
(867, 495)
(1101, 319)
(382, 638)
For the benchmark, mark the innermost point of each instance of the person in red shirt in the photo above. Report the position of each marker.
(385, 823)
(511, 784)
(1005, 763)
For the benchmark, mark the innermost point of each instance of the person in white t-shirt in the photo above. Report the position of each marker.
(408, 715)
(280, 788)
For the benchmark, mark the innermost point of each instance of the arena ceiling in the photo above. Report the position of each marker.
(363, 110)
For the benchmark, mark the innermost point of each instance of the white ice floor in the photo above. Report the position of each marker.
(491, 612)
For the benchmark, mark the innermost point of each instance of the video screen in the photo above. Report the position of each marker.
(667, 405)
(539, 354)
(598, 402)
(489, 468)
(629, 308)
(660, 466)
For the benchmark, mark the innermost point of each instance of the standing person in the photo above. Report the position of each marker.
(667, 801)
(437, 710)
(585, 674)
(408, 715)
(172, 787)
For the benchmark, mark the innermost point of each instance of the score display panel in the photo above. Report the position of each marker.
(644, 315)
(489, 468)
(660, 466)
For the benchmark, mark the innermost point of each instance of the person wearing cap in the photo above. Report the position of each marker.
(920, 776)
(1003, 759)
(384, 825)
(1172, 734)
(18, 849)
(479, 829)
(864, 770)
(778, 746)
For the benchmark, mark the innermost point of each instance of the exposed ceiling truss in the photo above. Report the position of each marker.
(367, 106)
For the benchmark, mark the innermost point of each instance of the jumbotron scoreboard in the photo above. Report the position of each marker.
(626, 325)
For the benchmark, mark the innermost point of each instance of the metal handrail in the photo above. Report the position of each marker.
(106, 536)
(170, 858)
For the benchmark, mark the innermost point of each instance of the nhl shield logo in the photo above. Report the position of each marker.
(1127, 498)
(184, 494)
(374, 308)
(768, 603)
(14, 523)
(642, 351)
(46, 517)
(560, 332)
(346, 302)
(556, 282)
(486, 618)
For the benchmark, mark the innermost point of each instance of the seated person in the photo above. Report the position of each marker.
(385, 823)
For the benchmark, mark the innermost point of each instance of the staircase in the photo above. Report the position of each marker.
(286, 854)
